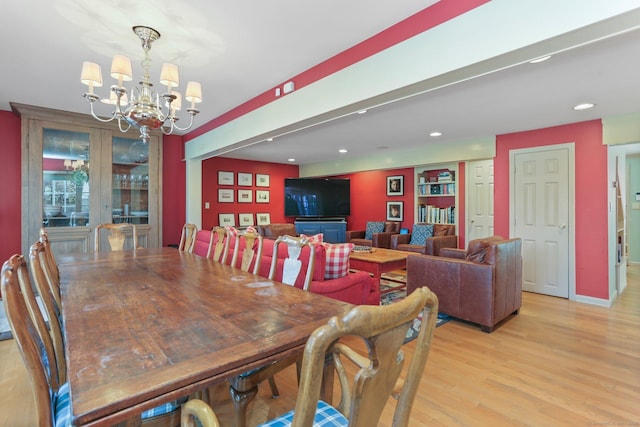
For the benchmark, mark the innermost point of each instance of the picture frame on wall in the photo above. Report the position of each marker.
(262, 196)
(263, 218)
(245, 219)
(225, 178)
(245, 179)
(262, 180)
(395, 211)
(227, 219)
(245, 196)
(395, 185)
(225, 195)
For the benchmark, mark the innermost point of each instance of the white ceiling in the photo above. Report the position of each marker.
(238, 50)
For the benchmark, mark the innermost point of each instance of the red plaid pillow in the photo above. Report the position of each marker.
(232, 232)
(337, 259)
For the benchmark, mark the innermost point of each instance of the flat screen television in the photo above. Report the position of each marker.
(317, 197)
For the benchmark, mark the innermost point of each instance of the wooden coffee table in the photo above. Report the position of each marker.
(378, 261)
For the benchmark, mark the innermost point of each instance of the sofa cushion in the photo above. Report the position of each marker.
(337, 264)
(420, 233)
(391, 227)
(373, 227)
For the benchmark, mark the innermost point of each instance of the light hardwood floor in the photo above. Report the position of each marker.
(557, 363)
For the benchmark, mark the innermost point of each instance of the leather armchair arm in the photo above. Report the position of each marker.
(434, 244)
(398, 239)
(355, 234)
(381, 240)
(452, 253)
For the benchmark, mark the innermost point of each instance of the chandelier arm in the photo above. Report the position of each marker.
(113, 115)
(174, 125)
(123, 130)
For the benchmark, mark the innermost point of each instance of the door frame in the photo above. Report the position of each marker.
(570, 146)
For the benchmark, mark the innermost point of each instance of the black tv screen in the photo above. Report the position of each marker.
(317, 197)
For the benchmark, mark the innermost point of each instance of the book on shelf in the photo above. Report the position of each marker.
(436, 215)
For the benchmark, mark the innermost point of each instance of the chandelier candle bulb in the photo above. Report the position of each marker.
(91, 75)
(169, 76)
(193, 93)
(121, 69)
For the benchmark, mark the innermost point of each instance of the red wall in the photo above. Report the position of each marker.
(174, 192)
(369, 197)
(590, 199)
(10, 221)
(277, 173)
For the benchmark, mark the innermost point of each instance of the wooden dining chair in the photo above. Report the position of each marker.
(249, 243)
(51, 259)
(244, 387)
(116, 236)
(197, 413)
(376, 377)
(188, 238)
(28, 327)
(43, 280)
(219, 249)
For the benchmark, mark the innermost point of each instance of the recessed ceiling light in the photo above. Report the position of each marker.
(541, 59)
(291, 160)
(584, 106)
(362, 111)
(343, 150)
(434, 134)
(269, 139)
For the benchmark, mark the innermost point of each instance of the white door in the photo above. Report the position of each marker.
(479, 200)
(541, 205)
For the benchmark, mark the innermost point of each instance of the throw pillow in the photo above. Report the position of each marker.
(337, 259)
(373, 227)
(316, 239)
(420, 233)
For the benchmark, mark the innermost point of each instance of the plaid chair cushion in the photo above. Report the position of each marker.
(420, 233)
(373, 227)
(337, 259)
(326, 416)
(162, 409)
(62, 406)
(232, 232)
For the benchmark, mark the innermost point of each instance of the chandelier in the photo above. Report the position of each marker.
(145, 110)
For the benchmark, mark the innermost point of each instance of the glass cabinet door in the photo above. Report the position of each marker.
(130, 181)
(65, 178)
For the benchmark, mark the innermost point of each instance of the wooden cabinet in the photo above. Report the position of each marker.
(436, 198)
(333, 231)
(78, 173)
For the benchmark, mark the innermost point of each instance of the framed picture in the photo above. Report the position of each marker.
(262, 196)
(395, 185)
(262, 180)
(227, 219)
(245, 179)
(245, 196)
(245, 219)
(225, 195)
(394, 211)
(225, 178)
(263, 218)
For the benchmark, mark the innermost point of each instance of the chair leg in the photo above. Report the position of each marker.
(274, 388)
(241, 401)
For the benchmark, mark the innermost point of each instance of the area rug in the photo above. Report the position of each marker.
(393, 291)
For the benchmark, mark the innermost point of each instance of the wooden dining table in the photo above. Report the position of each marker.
(149, 326)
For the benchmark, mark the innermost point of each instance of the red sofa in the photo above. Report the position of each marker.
(355, 288)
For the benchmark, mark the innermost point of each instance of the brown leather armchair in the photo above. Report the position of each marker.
(273, 231)
(380, 239)
(444, 236)
(484, 287)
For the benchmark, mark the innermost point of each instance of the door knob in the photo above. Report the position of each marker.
(562, 226)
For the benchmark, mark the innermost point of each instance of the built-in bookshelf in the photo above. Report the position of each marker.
(436, 195)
